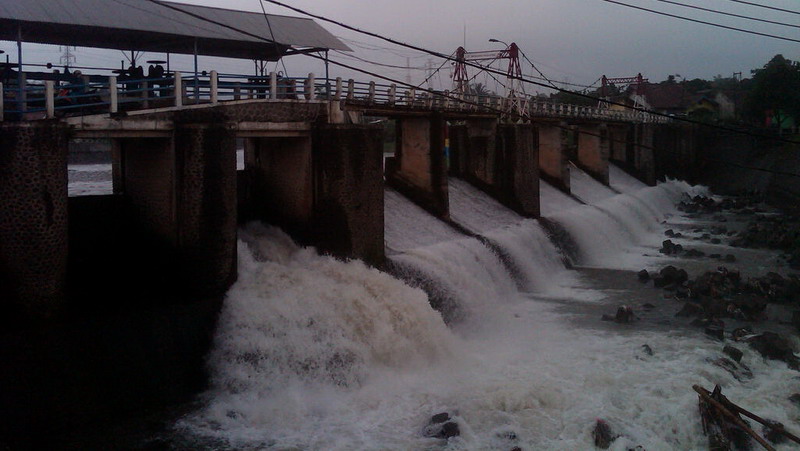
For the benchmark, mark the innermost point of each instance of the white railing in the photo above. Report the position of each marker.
(178, 90)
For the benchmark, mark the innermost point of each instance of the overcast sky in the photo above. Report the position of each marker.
(569, 40)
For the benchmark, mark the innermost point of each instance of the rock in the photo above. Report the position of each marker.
(602, 435)
(715, 331)
(739, 372)
(690, 309)
(694, 253)
(715, 256)
(643, 275)
(795, 398)
(673, 275)
(659, 281)
(741, 332)
(796, 319)
(440, 418)
(733, 353)
(606, 317)
(625, 315)
(670, 248)
(772, 433)
(440, 426)
(678, 235)
(681, 292)
(715, 241)
(449, 429)
(648, 306)
(730, 258)
(670, 233)
(775, 347)
(647, 349)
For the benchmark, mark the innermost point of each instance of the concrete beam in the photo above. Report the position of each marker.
(644, 158)
(33, 218)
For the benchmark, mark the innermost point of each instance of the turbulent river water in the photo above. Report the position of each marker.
(313, 353)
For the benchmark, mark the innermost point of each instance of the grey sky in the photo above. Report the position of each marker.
(569, 40)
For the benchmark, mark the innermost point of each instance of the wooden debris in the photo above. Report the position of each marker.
(722, 423)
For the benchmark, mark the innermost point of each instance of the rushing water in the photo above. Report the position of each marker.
(315, 353)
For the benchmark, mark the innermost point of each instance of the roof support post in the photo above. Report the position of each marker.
(214, 87)
(178, 90)
(20, 75)
(273, 85)
(49, 99)
(112, 95)
(196, 81)
(2, 107)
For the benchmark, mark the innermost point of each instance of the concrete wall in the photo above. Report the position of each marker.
(593, 151)
(148, 177)
(618, 142)
(553, 159)
(282, 179)
(419, 170)
(33, 218)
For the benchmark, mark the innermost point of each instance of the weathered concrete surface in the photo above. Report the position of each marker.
(593, 151)
(553, 158)
(33, 218)
(518, 181)
(618, 135)
(644, 157)
(419, 170)
(348, 180)
(205, 192)
(280, 171)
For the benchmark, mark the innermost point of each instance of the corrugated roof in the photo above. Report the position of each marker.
(145, 25)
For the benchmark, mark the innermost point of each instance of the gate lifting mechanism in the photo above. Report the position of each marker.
(515, 90)
(638, 82)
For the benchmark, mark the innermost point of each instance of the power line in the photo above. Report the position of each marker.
(375, 63)
(456, 98)
(765, 6)
(272, 37)
(675, 16)
(729, 14)
(527, 80)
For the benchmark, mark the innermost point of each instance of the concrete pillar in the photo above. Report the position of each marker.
(205, 192)
(420, 171)
(553, 161)
(482, 156)
(348, 191)
(459, 148)
(33, 218)
(618, 143)
(593, 150)
(518, 179)
(182, 194)
(644, 159)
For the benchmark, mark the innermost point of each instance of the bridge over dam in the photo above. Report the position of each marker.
(313, 164)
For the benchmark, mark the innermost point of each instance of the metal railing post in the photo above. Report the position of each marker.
(49, 99)
(273, 85)
(214, 87)
(2, 106)
(145, 94)
(237, 91)
(178, 88)
(113, 95)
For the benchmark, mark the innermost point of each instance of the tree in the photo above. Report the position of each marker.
(775, 91)
(479, 89)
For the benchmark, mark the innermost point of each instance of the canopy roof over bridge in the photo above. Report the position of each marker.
(161, 27)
